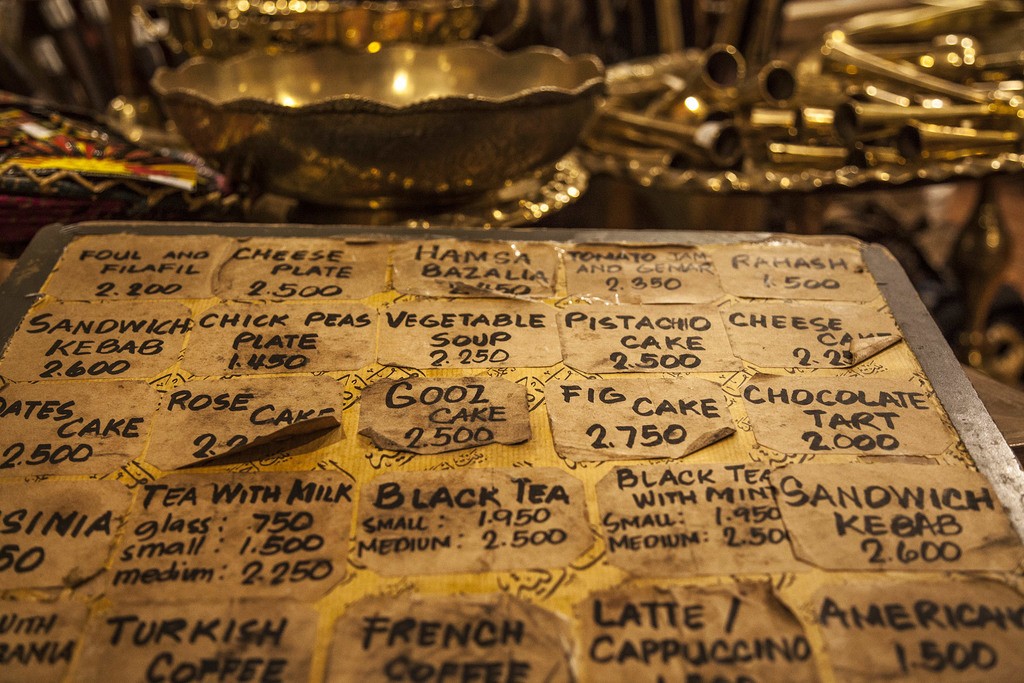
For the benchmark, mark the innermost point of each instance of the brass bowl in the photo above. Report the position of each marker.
(408, 125)
(222, 28)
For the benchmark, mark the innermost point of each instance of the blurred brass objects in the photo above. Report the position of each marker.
(407, 125)
(222, 28)
(920, 93)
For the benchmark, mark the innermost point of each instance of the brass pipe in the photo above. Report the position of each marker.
(773, 84)
(705, 89)
(765, 23)
(921, 23)
(818, 120)
(730, 26)
(918, 140)
(853, 60)
(717, 142)
(1002, 60)
(874, 93)
(721, 67)
(769, 118)
(813, 156)
(854, 120)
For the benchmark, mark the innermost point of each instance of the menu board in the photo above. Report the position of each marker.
(270, 454)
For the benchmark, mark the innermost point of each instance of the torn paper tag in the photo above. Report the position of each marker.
(671, 520)
(218, 536)
(450, 638)
(896, 518)
(807, 335)
(451, 267)
(600, 338)
(794, 271)
(58, 534)
(636, 418)
(471, 520)
(124, 339)
(299, 268)
(737, 632)
(468, 334)
(97, 267)
(861, 416)
(641, 274)
(922, 631)
(434, 415)
(73, 427)
(243, 339)
(227, 640)
(38, 639)
(203, 420)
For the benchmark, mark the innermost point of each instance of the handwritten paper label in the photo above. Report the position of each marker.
(200, 641)
(449, 638)
(58, 533)
(207, 419)
(636, 274)
(97, 267)
(806, 335)
(433, 415)
(478, 334)
(598, 420)
(73, 427)
(711, 519)
(267, 534)
(643, 339)
(38, 639)
(922, 631)
(858, 416)
(127, 340)
(896, 517)
(292, 268)
(450, 267)
(822, 272)
(482, 520)
(675, 633)
(245, 339)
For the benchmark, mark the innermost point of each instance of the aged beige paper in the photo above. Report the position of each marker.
(636, 418)
(295, 269)
(203, 420)
(737, 632)
(672, 520)
(124, 339)
(641, 274)
(601, 338)
(434, 415)
(38, 639)
(449, 638)
(226, 640)
(246, 339)
(931, 630)
(856, 415)
(58, 534)
(807, 335)
(220, 536)
(73, 427)
(451, 267)
(468, 334)
(896, 518)
(472, 520)
(98, 267)
(784, 270)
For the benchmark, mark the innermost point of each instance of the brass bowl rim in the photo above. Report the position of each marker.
(166, 82)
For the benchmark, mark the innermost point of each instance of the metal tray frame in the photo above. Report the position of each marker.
(954, 391)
